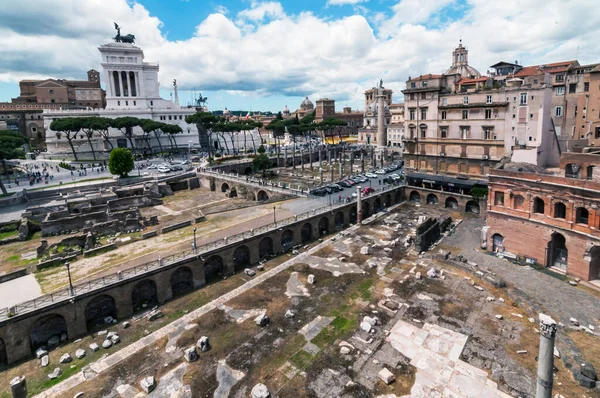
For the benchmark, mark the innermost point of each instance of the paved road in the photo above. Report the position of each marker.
(19, 290)
(560, 299)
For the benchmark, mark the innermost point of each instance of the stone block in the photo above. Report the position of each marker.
(386, 376)
(94, 347)
(66, 358)
(45, 361)
(80, 353)
(40, 352)
(190, 354)
(260, 391)
(148, 384)
(55, 374)
(203, 344)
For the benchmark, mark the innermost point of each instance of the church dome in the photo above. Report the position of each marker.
(286, 110)
(465, 71)
(307, 104)
(226, 112)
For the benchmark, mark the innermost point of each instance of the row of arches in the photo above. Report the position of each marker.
(471, 206)
(261, 195)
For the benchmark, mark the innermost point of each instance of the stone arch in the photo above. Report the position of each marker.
(377, 204)
(213, 267)
(144, 295)
(3, 354)
(306, 233)
(582, 215)
(98, 308)
(352, 215)
(560, 210)
(261, 196)
(394, 154)
(451, 203)
(323, 226)
(287, 239)
(432, 199)
(538, 205)
(472, 207)
(233, 192)
(558, 254)
(51, 328)
(265, 247)
(241, 257)
(388, 201)
(248, 171)
(339, 220)
(366, 210)
(497, 243)
(414, 197)
(595, 263)
(224, 187)
(182, 281)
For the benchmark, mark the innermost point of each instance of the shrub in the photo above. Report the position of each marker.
(218, 155)
(120, 162)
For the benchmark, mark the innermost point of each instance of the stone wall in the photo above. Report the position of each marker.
(427, 233)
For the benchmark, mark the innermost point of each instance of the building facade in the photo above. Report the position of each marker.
(132, 89)
(368, 133)
(549, 219)
(587, 118)
(396, 126)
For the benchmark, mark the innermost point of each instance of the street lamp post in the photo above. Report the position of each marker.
(195, 240)
(68, 265)
(274, 219)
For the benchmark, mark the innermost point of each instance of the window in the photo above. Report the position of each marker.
(538, 206)
(424, 84)
(558, 111)
(519, 202)
(466, 100)
(590, 172)
(126, 103)
(499, 198)
(488, 99)
(51, 101)
(50, 91)
(444, 115)
(559, 90)
(465, 114)
(444, 132)
(412, 96)
(572, 88)
(560, 210)
(523, 99)
(560, 78)
(487, 133)
(118, 103)
(586, 87)
(151, 103)
(134, 103)
(170, 117)
(423, 95)
(464, 133)
(423, 131)
(181, 118)
(444, 101)
(488, 113)
(581, 215)
(411, 114)
(413, 85)
(423, 114)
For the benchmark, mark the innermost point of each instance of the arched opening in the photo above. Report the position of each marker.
(213, 267)
(557, 253)
(261, 196)
(49, 331)
(323, 226)
(265, 247)
(432, 199)
(98, 309)
(590, 172)
(560, 210)
(144, 295)
(233, 192)
(377, 205)
(414, 197)
(519, 202)
(306, 233)
(572, 170)
(339, 220)
(248, 171)
(451, 203)
(224, 187)
(182, 281)
(497, 243)
(538, 205)
(388, 201)
(3, 354)
(595, 263)
(241, 258)
(472, 207)
(581, 215)
(352, 215)
(366, 210)
(287, 239)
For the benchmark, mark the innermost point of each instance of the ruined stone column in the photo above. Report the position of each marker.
(351, 162)
(285, 158)
(362, 161)
(358, 205)
(18, 387)
(320, 157)
(329, 156)
(545, 357)
(321, 171)
(373, 163)
(302, 158)
(331, 170)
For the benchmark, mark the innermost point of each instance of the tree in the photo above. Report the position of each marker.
(171, 130)
(204, 121)
(261, 149)
(120, 162)
(88, 129)
(101, 125)
(279, 116)
(126, 125)
(69, 127)
(152, 126)
(308, 119)
(11, 144)
(261, 163)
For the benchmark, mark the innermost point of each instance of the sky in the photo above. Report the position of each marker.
(263, 55)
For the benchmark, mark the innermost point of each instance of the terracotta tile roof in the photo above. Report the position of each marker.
(556, 67)
(556, 64)
(529, 71)
(425, 77)
(471, 81)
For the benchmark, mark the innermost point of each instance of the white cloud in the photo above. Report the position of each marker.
(220, 9)
(264, 51)
(344, 2)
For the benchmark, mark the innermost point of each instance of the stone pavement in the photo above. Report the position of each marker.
(435, 352)
(557, 297)
(19, 290)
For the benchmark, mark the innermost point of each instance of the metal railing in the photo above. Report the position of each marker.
(255, 182)
(163, 262)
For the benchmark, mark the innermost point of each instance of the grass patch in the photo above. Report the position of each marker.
(338, 328)
(6, 195)
(9, 234)
(363, 290)
(301, 359)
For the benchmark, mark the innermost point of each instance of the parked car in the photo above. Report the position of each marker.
(380, 171)
(319, 192)
(164, 169)
(371, 175)
(176, 168)
(249, 272)
(345, 184)
(352, 183)
(395, 177)
(336, 188)
(362, 178)
(185, 162)
(367, 190)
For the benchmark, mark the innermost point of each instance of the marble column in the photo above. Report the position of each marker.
(545, 357)
(121, 83)
(358, 205)
(362, 161)
(285, 157)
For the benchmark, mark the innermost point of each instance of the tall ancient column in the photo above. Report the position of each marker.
(381, 130)
(545, 357)
(362, 161)
(358, 205)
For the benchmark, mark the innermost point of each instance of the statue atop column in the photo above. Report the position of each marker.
(129, 38)
(381, 83)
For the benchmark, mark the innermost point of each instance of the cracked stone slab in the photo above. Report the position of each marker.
(241, 315)
(295, 288)
(314, 327)
(227, 378)
(171, 384)
(333, 265)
